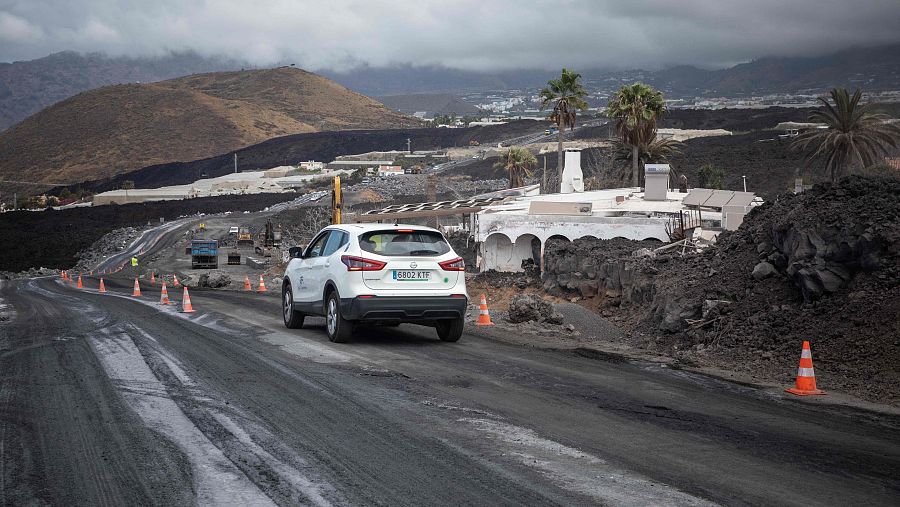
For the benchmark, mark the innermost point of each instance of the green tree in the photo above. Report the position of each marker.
(566, 94)
(519, 163)
(636, 108)
(65, 194)
(855, 136)
(710, 176)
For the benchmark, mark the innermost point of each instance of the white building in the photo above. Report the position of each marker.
(519, 228)
(390, 170)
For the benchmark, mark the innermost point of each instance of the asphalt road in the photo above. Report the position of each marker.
(113, 400)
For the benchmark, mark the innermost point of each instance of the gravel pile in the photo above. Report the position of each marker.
(532, 308)
(29, 273)
(110, 243)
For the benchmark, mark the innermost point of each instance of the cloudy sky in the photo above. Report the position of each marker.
(465, 34)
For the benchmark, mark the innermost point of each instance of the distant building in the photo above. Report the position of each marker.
(390, 170)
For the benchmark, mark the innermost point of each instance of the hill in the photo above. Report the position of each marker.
(29, 86)
(120, 128)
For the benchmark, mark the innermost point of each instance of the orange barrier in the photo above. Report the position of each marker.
(164, 295)
(137, 288)
(102, 287)
(806, 377)
(247, 285)
(79, 285)
(186, 306)
(262, 284)
(484, 318)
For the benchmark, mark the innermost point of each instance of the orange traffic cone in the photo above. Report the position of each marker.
(247, 285)
(175, 280)
(102, 287)
(262, 284)
(137, 288)
(186, 306)
(153, 279)
(62, 274)
(806, 377)
(484, 318)
(164, 295)
(80, 285)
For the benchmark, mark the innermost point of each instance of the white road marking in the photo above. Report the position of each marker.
(218, 480)
(579, 471)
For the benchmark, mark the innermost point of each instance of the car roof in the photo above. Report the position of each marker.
(363, 228)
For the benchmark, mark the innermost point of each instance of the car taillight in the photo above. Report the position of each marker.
(456, 264)
(354, 263)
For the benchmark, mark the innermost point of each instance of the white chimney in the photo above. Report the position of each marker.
(656, 182)
(572, 177)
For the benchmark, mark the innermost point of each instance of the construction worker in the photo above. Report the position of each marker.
(134, 262)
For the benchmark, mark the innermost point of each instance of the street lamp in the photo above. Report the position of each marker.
(745, 182)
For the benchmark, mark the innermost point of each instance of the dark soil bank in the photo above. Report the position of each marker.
(53, 238)
(822, 266)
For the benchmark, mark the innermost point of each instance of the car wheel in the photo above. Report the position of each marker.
(450, 330)
(292, 319)
(339, 329)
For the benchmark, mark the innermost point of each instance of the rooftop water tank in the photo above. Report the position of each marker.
(656, 182)
(572, 177)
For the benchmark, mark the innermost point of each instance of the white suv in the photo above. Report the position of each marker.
(376, 273)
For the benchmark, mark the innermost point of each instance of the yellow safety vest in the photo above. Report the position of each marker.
(134, 261)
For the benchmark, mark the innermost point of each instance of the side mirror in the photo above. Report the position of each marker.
(295, 252)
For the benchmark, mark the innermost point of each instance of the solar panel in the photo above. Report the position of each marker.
(741, 199)
(719, 198)
(697, 196)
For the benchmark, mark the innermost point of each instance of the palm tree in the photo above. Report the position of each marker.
(636, 107)
(518, 162)
(567, 96)
(855, 135)
(657, 151)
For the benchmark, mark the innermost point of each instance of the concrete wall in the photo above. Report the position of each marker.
(117, 197)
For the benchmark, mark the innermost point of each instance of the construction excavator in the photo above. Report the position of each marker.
(271, 239)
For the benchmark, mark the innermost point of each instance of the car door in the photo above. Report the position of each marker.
(320, 271)
(307, 291)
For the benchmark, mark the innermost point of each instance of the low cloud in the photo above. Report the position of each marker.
(465, 34)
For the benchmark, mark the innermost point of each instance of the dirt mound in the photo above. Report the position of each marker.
(532, 308)
(835, 254)
(120, 128)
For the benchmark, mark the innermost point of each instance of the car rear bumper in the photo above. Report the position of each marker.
(404, 308)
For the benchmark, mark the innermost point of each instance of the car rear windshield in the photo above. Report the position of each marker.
(404, 243)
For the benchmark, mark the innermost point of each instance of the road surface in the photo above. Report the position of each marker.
(113, 400)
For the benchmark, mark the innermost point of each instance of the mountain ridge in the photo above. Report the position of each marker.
(120, 128)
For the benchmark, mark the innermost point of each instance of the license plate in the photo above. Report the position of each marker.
(412, 276)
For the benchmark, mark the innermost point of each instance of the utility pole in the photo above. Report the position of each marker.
(409, 145)
(745, 182)
(15, 200)
(235, 162)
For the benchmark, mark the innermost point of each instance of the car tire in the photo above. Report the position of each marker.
(450, 330)
(338, 328)
(292, 318)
